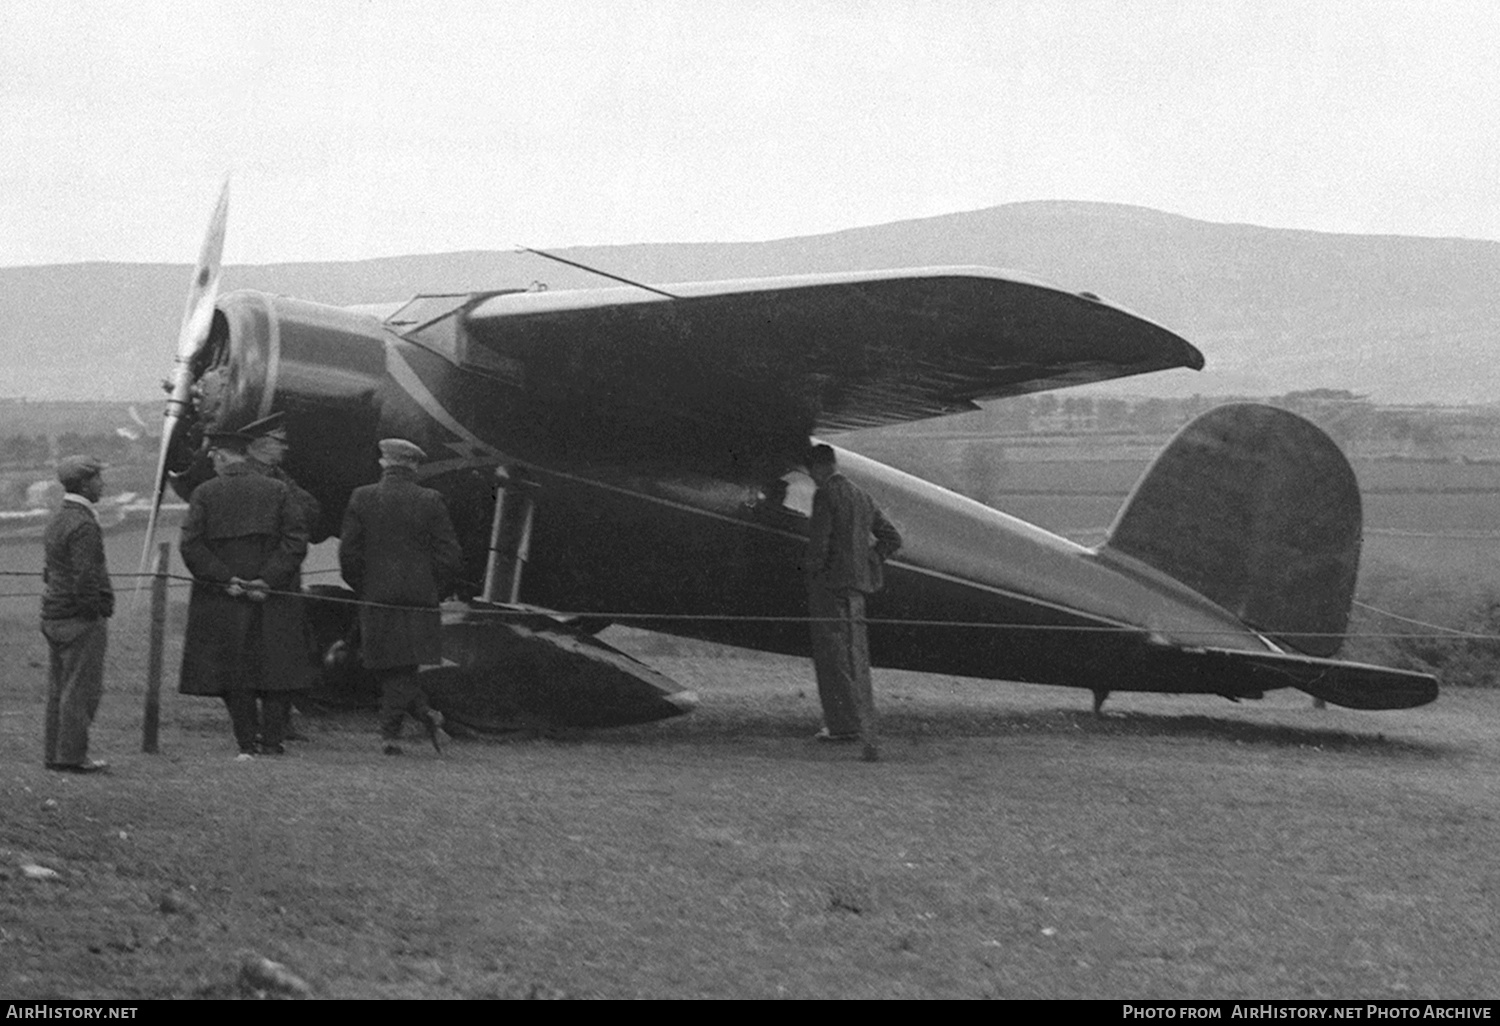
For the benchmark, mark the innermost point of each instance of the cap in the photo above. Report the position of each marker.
(402, 450)
(273, 426)
(74, 470)
(234, 440)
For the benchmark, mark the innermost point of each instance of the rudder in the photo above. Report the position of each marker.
(1258, 510)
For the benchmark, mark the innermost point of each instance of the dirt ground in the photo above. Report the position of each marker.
(1010, 845)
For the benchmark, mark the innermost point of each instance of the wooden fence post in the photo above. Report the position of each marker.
(152, 722)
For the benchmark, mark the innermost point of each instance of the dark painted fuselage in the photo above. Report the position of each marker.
(642, 519)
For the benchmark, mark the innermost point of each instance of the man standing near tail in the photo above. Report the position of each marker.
(399, 553)
(848, 542)
(77, 603)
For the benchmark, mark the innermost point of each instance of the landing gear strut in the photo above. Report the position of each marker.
(510, 536)
(509, 667)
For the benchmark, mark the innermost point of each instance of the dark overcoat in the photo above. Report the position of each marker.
(243, 524)
(398, 550)
(308, 507)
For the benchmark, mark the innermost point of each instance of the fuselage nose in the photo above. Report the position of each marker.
(322, 366)
(272, 352)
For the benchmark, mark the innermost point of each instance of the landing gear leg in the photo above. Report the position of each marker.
(510, 537)
(507, 668)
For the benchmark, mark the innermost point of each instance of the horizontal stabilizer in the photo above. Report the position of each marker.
(1352, 685)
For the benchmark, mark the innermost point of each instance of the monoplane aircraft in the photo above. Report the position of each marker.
(631, 454)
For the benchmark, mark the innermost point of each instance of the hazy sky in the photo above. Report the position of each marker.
(362, 129)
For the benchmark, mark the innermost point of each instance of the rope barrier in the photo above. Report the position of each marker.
(179, 582)
(1448, 631)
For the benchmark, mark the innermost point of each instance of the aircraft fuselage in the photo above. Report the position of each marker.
(973, 592)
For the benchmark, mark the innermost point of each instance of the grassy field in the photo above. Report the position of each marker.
(1010, 845)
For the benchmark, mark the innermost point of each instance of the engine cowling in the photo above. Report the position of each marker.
(322, 366)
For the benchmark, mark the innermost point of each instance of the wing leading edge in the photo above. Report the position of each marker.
(819, 353)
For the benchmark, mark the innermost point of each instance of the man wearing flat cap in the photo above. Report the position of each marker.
(244, 541)
(399, 553)
(77, 602)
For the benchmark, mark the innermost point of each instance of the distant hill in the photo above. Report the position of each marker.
(1402, 319)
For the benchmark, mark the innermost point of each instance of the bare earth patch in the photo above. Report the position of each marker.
(1009, 845)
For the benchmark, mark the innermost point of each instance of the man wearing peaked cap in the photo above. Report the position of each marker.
(227, 438)
(273, 425)
(76, 601)
(399, 553)
(402, 451)
(267, 451)
(243, 541)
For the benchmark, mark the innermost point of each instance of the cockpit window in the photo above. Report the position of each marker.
(444, 335)
(785, 500)
(799, 492)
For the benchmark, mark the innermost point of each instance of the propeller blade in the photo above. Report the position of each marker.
(197, 320)
(198, 313)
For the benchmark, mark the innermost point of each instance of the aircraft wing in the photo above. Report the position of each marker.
(815, 353)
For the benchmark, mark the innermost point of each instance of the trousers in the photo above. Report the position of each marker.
(258, 717)
(841, 658)
(400, 695)
(75, 685)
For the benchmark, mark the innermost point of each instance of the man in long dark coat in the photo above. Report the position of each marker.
(848, 541)
(77, 601)
(265, 453)
(399, 553)
(243, 541)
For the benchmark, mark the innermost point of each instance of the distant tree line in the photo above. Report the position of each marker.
(1353, 420)
(19, 451)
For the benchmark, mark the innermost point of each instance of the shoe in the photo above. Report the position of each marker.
(244, 757)
(87, 766)
(827, 735)
(391, 748)
(266, 749)
(435, 729)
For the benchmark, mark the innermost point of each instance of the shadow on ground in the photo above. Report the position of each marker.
(924, 724)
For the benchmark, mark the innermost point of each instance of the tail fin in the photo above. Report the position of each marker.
(1258, 510)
